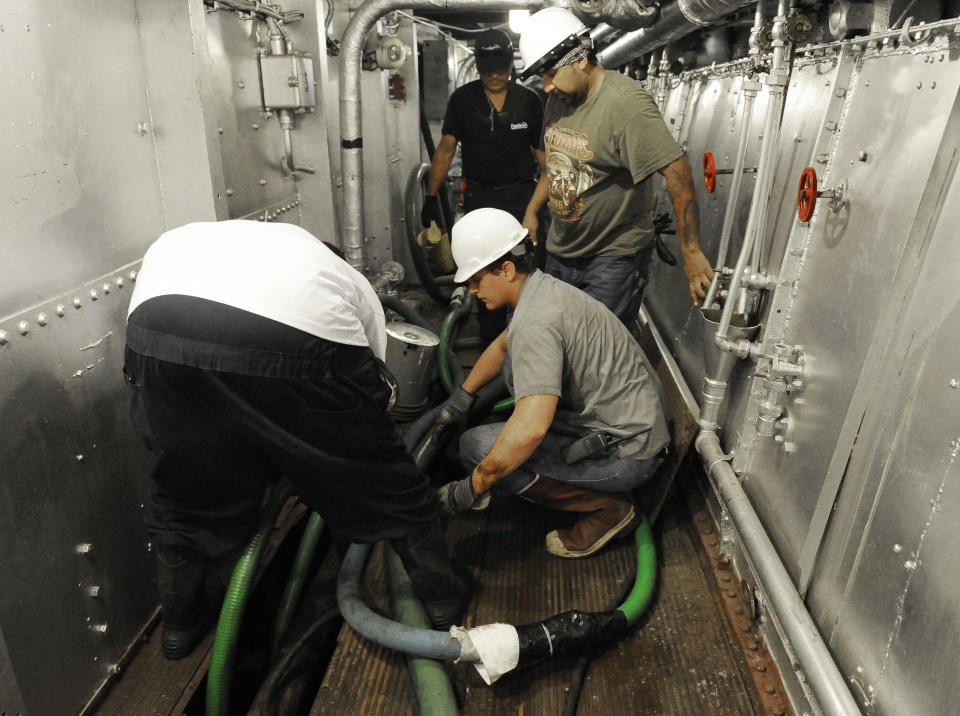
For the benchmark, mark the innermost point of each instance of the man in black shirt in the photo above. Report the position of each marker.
(497, 123)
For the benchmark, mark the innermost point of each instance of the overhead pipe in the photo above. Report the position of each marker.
(677, 20)
(351, 124)
(604, 33)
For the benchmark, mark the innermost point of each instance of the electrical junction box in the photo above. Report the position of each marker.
(286, 82)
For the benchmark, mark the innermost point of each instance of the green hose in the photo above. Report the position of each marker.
(298, 579)
(461, 343)
(640, 596)
(503, 406)
(444, 280)
(228, 626)
(430, 682)
(457, 313)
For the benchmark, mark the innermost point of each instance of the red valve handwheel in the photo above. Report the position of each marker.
(709, 172)
(807, 194)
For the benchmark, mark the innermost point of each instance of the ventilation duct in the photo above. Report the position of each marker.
(677, 20)
(626, 15)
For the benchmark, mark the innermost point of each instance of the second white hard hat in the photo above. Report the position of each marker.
(549, 34)
(482, 236)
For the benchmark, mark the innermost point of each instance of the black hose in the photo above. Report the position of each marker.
(268, 691)
(447, 215)
(411, 216)
(580, 669)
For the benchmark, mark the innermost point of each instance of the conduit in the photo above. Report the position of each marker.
(815, 661)
(351, 125)
(750, 88)
(776, 80)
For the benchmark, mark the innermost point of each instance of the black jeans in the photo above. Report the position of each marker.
(221, 436)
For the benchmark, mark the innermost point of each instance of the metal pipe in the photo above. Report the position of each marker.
(351, 124)
(750, 89)
(602, 32)
(814, 658)
(677, 19)
(664, 81)
(776, 79)
(286, 129)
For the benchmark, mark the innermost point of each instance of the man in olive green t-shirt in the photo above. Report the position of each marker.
(604, 139)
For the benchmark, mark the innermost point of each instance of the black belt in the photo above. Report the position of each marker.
(499, 186)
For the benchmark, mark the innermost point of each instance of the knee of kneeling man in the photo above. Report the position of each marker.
(475, 443)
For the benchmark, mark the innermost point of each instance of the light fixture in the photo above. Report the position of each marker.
(518, 20)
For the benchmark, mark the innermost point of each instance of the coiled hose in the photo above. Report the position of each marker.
(411, 214)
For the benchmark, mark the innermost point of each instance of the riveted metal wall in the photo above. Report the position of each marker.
(105, 146)
(859, 492)
(709, 119)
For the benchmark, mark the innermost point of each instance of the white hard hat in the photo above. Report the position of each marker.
(482, 236)
(548, 36)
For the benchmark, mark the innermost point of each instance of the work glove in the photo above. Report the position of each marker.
(661, 225)
(455, 408)
(430, 211)
(458, 496)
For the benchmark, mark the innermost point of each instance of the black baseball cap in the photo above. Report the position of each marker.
(493, 50)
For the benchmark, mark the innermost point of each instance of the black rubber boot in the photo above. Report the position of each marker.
(217, 578)
(180, 576)
(443, 592)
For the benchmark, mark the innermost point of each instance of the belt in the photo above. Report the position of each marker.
(499, 186)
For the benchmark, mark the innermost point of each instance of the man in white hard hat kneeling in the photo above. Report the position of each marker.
(588, 425)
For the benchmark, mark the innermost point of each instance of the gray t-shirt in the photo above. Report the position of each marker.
(600, 156)
(563, 342)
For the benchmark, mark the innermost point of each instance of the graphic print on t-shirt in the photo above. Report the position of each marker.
(568, 171)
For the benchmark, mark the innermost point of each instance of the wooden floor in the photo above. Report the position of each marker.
(685, 657)
(696, 650)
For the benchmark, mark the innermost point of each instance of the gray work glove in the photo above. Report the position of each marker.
(458, 496)
(455, 408)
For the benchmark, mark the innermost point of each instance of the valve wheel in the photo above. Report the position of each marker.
(807, 194)
(709, 172)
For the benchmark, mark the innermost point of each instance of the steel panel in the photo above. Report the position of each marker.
(74, 473)
(251, 144)
(78, 146)
(713, 125)
(886, 582)
(899, 130)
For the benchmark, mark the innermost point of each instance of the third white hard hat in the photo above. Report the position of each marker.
(482, 236)
(548, 36)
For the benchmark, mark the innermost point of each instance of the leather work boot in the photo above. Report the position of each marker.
(443, 592)
(180, 581)
(607, 516)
